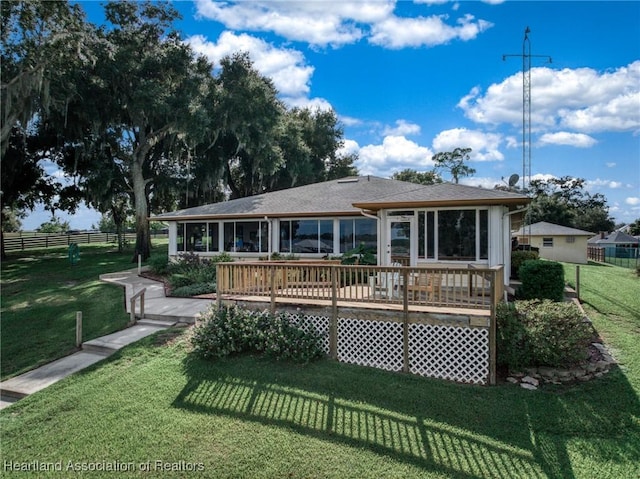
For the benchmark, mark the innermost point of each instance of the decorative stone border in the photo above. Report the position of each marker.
(599, 363)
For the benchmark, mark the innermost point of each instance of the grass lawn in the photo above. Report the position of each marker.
(41, 293)
(152, 405)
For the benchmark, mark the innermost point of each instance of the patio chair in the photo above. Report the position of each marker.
(426, 282)
(388, 283)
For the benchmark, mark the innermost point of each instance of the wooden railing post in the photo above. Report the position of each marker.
(78, 329)
(219, 285)
(272, 286)
(492, 325)
(333, 321)
(405, 320)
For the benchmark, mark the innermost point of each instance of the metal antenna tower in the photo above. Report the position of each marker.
(526, 106)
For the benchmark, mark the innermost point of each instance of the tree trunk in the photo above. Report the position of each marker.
(143, 236)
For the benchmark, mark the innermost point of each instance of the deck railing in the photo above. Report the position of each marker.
(475, 288)
(439, 343)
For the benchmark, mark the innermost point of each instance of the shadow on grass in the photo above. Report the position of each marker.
(461, 431)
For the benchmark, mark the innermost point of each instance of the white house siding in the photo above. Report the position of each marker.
(562, 250)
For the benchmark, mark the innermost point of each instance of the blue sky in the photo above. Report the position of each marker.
(410, 79)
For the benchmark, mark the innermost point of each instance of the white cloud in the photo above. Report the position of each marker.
(610, 164)
(313, 22)
(397, 32)
(284, 66)
(341, 23)
(599, 183)
(484, 146)
(394, 154)
(402, 128)
(633, 201)
(483, 182)
(579, 140)
(580, 99)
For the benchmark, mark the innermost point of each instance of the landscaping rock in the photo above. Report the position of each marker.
(530, 380)
(528, 386)
(512, 380)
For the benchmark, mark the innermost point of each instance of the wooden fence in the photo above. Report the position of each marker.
(437, 322)
(18, 242)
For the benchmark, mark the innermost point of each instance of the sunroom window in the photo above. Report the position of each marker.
(453, 235)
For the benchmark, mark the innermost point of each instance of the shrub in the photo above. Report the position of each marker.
(234, 330)
(541, 333)
(194, 289)
(541, 280)
(518, 258)
(513, 347)
(159, 264)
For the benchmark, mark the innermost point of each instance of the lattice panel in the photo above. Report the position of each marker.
(370, 343)
(308, 321)
(449, 352)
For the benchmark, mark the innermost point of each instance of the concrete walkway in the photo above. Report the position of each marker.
(161, 313)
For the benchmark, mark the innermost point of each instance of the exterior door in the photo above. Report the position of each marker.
(400, 247)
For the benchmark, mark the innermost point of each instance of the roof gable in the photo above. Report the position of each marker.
(543, 228)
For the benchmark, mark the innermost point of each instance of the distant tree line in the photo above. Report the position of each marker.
(139, 122)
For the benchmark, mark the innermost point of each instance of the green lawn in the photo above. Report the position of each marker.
(41, 293)
(251, 417)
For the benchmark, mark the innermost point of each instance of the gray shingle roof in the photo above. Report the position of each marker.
(338, 197)
(619, 237)
(550, 229)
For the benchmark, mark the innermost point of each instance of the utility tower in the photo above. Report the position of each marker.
(526, 104)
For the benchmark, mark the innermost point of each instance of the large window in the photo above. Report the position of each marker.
(354, 232)
(192, 237)
(306, 236)
(237, 236)
(246, 236)
(453, 235)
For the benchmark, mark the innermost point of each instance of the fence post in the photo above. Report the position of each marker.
(139, 264)
(492, 329)
(78, 329)
(333, 321)
(578, 281)
(405, 321)
(272, 286)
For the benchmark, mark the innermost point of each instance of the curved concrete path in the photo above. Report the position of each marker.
(161, 313)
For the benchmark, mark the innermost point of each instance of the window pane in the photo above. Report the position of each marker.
(326, 236)
(246, 239)
(212, 241)
(346, 235)
(366, 232)
(285, 238)
(457, 235)
(180, 237)
(264, 237)
(229, 237)
(304, 236)
(484, 234)
(431, 238)
(195, 232)
(421, 234)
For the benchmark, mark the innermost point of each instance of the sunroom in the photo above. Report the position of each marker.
(401, 223)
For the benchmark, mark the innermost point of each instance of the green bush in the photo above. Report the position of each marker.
(234, 330)
(512, 344)
(159, 264)
(194, 289)
(518, 258)
(541, 280)
(541, 333)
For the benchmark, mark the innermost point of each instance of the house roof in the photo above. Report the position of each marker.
(617, 237)
(347, 196)
(543, 228)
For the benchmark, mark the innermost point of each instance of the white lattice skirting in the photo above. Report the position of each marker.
(448, 352)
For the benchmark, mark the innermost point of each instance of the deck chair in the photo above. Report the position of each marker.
(389, 282)
(426, 282)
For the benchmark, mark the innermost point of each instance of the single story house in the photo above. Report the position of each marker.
(618, 244)
(401, 222)
(556, 242)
